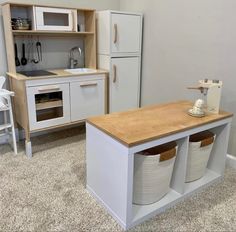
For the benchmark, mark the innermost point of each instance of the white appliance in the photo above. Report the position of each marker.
(50, 18)
(212, 90)
(119, 51)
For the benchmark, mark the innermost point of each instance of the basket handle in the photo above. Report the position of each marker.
(207, 141)
(167, 155)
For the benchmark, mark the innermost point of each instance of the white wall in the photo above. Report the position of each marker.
(184, 41)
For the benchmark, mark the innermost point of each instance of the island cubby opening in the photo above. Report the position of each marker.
(179, 189)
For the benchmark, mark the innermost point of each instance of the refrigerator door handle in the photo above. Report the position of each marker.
(115, 34)
(114, 73)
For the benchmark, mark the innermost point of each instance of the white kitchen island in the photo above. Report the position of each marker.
(112, 140)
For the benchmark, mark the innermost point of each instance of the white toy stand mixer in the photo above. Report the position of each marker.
(212, 90)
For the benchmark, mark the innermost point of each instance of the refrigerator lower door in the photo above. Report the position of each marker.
(124, 84)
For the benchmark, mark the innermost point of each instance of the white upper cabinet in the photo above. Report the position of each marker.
(119, 33)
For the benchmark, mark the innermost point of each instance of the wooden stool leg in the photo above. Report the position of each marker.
(28, 146)
(28, 149)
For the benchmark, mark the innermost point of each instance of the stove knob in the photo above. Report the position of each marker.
(205, 80)
(216, 81)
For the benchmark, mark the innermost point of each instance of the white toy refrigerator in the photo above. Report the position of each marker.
(119, 41)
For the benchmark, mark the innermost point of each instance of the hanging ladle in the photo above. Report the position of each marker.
(39, 50)
(23, 59)
(35, 60)
(17, 61)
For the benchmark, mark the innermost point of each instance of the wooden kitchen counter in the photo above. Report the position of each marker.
(135, 127)
(59, 73)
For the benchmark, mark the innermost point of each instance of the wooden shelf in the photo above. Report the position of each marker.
(50, 115)
(49, 105)
(34, 32)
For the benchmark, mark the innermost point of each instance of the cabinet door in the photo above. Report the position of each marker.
(48, 105)
(87, 99)
(124, 84)
(126, 33)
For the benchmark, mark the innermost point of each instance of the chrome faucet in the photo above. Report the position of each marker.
(72, 61)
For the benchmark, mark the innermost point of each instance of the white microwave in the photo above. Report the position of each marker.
(56, 19)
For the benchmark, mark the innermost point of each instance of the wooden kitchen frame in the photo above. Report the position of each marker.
(113, 140)
(20, 84)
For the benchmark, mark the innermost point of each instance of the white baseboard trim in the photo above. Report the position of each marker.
(231, 161)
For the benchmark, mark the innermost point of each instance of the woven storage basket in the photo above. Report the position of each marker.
(152, 173)
(200, 146)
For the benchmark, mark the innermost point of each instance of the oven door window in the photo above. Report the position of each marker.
(49, 106)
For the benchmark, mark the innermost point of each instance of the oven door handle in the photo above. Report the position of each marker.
(49, 88)
(88, 84)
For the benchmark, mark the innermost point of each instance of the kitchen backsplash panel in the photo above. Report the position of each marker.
(55, 52)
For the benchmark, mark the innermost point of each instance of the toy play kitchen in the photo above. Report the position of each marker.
(49, 93)
(52, 64)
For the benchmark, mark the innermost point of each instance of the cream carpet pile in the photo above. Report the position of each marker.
(47, 193)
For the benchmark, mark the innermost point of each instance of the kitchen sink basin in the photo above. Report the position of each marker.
(80, 70)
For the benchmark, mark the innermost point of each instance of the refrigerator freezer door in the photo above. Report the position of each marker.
(124, 84)
(125, 33)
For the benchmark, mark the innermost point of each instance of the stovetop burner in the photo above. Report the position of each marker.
(37, 73)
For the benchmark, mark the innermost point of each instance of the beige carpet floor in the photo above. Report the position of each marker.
(47, 193)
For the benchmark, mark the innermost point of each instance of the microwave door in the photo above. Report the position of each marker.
(47, 18)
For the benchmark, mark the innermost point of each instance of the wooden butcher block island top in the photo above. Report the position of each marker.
(135, 127)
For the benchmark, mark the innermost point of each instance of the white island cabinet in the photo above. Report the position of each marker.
(112, 141)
